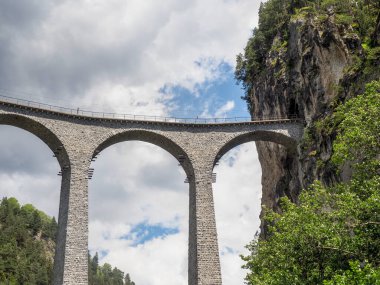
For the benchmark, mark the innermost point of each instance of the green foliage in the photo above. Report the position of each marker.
(359, 138)
(307, 139)
(128, 281)
(357, 275)
(372, 61)
(27, 241)
(272, 16)
(331, 231)
(24, 233)
(344, 19)
(105, 274)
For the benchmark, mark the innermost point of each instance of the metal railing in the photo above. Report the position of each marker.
(104, 115)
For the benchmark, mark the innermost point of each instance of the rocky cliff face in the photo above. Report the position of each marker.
(304, 76)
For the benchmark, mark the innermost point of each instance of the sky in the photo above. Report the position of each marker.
(165, 58)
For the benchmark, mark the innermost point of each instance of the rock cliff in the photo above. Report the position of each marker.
(313, 63)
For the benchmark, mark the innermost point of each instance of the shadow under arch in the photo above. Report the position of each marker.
(288, 142)
(150, 137)
(40, 131)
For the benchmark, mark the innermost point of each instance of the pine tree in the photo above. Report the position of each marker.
(127, 280)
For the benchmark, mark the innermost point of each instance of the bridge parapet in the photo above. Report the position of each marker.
(42, 107)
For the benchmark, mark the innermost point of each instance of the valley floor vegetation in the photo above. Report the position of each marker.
(27, 244)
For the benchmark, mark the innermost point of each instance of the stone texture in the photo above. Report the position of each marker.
(75, 140)
(305, 83)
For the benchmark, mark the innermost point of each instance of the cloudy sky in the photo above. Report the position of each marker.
(172, 58)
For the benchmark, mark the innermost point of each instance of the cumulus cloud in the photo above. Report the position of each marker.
(36, 158)
(94, 52)
(141, 225)
(237, 205)
(28, 170)
(222, 111)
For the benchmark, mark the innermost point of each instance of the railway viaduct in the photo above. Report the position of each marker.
(77, 137)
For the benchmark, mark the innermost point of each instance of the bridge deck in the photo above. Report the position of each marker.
(91, 115)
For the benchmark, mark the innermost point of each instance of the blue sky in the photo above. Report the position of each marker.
(144, 232)
(163, 58)
(209, 96)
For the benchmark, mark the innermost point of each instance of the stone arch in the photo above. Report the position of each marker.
(158, 139)
(150, 137)
(41, 131)
(271, 136)
(48, 137)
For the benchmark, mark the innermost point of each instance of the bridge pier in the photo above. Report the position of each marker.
(71, 255)
(204, 264)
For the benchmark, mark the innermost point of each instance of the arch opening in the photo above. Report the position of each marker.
(138, 207)
(238, 189)
(237, 196)
(28, 172)
(289, 143)
(40, 131)
(153, 138)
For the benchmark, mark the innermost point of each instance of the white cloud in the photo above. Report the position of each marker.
(138, 181)
(115, 54)
(238, 204)
(40, 190)
(28, 171)
(145, 185)
(222, 111)
(159, 261)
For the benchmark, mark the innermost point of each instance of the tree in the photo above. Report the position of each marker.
(117, 276)
(359, 140)
(95, 263)
(127, 280)
(26, 259)
(357, 274)
(23, 257)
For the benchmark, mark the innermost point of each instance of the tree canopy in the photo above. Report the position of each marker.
(27, 244)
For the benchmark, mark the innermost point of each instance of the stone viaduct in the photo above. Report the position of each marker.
(76, 139)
